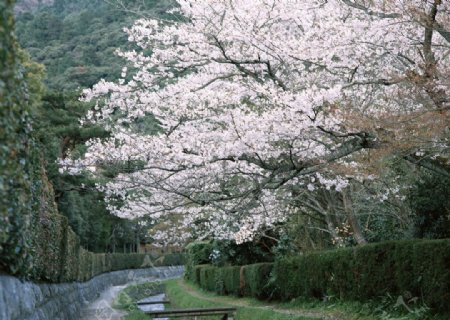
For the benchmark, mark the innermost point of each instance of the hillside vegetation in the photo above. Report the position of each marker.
(69, 45)
(76, 40)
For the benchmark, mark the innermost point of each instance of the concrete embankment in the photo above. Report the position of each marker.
(22, 300)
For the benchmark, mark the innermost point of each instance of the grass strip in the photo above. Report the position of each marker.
(182, 298)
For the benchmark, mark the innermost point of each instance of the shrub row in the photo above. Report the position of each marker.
(256, 280)
(251, 280)
(415, 270)
(410, 268)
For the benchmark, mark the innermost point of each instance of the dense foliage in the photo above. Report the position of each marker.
(249, 280)
(20, 184)
(430, 198)
(37, 127)
(224, 253)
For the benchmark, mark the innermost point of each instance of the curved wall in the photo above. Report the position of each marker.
(22, 300)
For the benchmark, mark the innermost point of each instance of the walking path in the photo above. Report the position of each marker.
(101, 309)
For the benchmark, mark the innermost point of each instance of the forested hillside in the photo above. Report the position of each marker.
(30, 5)
(75, 41)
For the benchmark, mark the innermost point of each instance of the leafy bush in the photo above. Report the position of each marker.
(417, 269)
(199, 252)
(196, 253)
(430, 199)
(226, 252)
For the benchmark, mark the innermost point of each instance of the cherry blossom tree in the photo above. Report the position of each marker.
(258, 99)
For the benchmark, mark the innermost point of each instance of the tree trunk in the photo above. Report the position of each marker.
(353, 220)
(138, 243)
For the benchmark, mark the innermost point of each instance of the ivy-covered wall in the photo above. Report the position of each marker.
(18, 185)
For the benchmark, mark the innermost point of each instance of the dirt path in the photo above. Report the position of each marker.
(243, 303)
(101, 309)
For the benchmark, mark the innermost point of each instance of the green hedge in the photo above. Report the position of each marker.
(411, 268)
(16, 173)
(195, 274)
(49, 252)
(35, 241)
(247, 280)
(228, 280)
(208, 279)
(255, 280)
(171, 259)
(71, 254)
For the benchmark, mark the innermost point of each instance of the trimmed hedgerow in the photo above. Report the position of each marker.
(49, 253)
(233, 280)
(195, 274)
(229, 280)
(17, 180)
(170, 259)
(208, 279)
(70, 255)
(412, 269)
(403, 268)
(255, 280)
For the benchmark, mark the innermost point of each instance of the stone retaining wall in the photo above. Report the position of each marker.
(22, 300)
